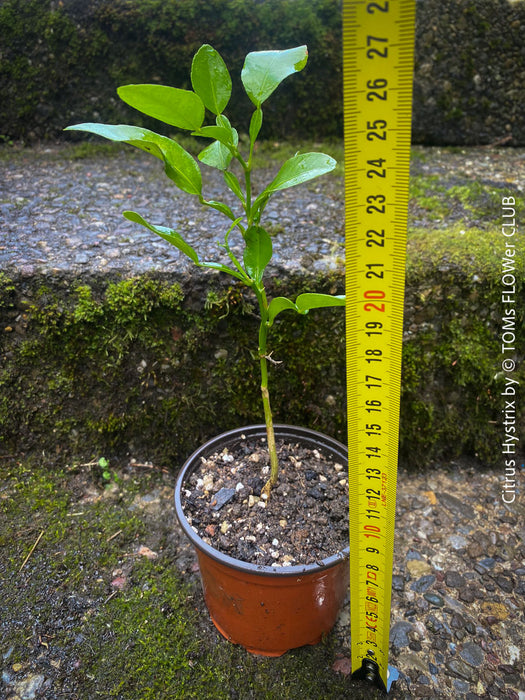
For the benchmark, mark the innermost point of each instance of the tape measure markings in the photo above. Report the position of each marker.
(378, 40)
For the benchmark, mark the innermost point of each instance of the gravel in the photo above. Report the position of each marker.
(60, 215)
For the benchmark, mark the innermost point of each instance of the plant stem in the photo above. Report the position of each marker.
(263, 358)
(263, 350)
(248, 185)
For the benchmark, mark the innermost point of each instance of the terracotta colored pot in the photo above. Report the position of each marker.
(265, 609)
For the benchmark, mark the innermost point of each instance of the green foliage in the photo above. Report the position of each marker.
(104, 466)
(262, 73)
(210, 79)
(37, 45)
(468, 250)
(88, 341)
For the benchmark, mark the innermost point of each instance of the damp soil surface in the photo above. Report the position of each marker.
(304, 521)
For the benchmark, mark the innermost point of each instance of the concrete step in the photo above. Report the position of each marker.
(112, 342)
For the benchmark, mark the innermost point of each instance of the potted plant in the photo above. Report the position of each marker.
(260, 593)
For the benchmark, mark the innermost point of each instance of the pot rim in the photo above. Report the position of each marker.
(281, 430)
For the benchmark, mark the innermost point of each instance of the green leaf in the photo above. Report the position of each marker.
(220, 133)
(224, 123)
(259, 205)
(223, 268)
(263, 71)
(210, 79)
(171, 236)
(167, 233)
(219, 154)
(179, 165)
(220, 206)
(255, 124)
(279, 304)
(181, 108)
(303, 303)
(234, 185)
(296, 170)
(216, 155)
(301, 168)
(257, 253)
(312, 300)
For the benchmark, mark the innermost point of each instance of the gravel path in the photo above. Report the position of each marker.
(459, 575)
(59, 215)
(457, 628)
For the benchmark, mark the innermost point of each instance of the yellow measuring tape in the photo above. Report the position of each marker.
(378, 48)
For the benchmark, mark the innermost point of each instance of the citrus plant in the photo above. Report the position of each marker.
(262, 73)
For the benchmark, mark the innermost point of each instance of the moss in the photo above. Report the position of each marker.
(472, 253)
(439, 198)
(452, 377)
(460, 414)
(129, 366)
(7, 292)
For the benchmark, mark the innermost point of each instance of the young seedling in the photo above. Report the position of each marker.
(104, 466)
(262, 72)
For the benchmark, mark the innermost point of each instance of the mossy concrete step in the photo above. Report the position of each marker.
(149, 359)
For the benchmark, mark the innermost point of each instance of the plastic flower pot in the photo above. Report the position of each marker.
(268, 610)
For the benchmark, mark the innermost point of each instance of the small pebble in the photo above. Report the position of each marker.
(461, 686)
(457, 541)
(472, 654)
(222, 497)
(398, 582)
(424, 583)
(453, 579)
(399, 634)
(418, 567)
(207, 482)
(28, 688)
(433, 624)
(459, 669)
(434, 599)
